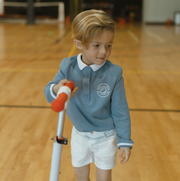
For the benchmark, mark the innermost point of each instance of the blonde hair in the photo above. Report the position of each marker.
(91, 23)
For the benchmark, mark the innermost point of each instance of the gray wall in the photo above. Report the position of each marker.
(158, 11)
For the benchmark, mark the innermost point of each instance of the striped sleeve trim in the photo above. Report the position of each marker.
(52, 92)
(125, 144)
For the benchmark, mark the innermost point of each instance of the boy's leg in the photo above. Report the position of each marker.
(82, 173)
(103, 175)
(105, 156)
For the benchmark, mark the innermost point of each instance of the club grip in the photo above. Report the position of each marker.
(71, 85)
(58, 104)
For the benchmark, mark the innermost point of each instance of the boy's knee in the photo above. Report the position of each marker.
(82, 173)
(103, 175)
(79, 174)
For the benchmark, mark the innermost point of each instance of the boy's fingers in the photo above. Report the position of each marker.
(74, 91)
(121, 153)
(125, 159)
(127, 155)
(65, 81)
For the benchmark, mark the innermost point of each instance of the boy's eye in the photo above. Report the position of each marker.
(108, 46)
(96, 45)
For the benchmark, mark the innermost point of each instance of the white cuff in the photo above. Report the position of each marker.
(52, 92)
(125, 144)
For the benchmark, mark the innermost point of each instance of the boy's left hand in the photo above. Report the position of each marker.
(127, 152)
(74, 91)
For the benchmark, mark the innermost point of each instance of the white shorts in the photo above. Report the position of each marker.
(97, 147)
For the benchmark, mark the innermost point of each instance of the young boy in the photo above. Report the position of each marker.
(98, 108)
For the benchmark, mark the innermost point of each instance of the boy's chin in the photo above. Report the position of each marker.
(100, 63)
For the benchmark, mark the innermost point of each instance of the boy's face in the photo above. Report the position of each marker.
(99, 49)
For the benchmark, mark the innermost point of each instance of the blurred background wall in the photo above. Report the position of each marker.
(147, 11)
(159, 10)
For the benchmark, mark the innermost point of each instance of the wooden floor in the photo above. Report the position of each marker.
(29, 59)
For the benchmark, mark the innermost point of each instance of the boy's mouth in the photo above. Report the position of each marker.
(101, 58)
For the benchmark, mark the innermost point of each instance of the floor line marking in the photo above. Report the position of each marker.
(157, 37)
(63, 36)
(155, 110)
(27, 70)
(36, 70)
(49, 107)
(151, 72)
(133, 36)
(23, 106)
(72, 51)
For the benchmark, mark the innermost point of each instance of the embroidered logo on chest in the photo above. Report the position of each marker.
(103, 90)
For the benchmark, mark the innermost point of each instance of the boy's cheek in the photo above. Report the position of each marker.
(108, 54)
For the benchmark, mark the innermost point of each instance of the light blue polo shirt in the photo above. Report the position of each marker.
(100, 103)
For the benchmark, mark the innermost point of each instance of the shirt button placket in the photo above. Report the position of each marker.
(86, 84)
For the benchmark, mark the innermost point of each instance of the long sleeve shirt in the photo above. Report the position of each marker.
(100, 103)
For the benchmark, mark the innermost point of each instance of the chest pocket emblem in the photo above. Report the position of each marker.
(103, 90)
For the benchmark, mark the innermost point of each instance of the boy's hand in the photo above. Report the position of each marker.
(74, 91)
(127, 152)
(60, 84)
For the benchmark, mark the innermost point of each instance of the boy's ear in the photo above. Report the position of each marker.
(78, 44)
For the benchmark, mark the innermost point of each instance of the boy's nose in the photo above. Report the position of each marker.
(103, 50)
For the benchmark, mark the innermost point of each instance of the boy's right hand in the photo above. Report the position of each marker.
(60, 84)
(127, 152)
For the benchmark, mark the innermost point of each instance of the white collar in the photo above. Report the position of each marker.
(82, 65)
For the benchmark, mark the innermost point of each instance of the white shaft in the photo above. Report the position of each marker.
(55, 163)
(57, 148)
(60, 125)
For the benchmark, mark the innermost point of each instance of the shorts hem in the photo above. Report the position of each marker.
(106, 168)
(81, 165)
